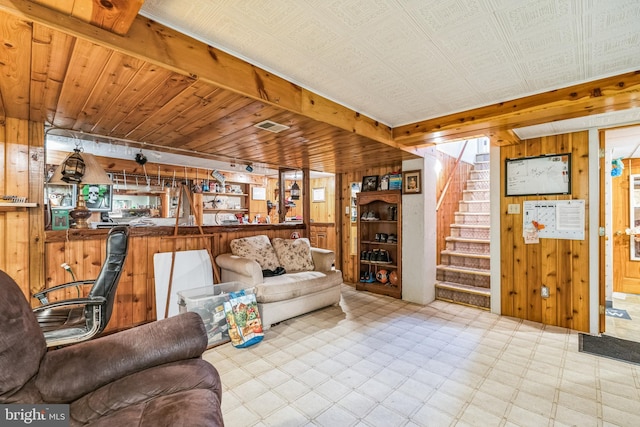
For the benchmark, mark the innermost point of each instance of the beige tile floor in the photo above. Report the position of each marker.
(624, 328)
(377, 361)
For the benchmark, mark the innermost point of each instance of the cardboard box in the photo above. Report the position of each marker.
(208, 302)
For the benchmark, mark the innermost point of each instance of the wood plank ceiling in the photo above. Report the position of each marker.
(160, 87)
(80, 85)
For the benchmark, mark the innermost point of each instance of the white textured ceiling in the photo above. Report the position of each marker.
(402, 61)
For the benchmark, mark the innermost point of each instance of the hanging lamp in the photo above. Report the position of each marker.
(73, 167)
(295, 189)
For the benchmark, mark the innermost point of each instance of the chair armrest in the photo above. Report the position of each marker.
(323, 259)
(70, 372)
(41, 295)
(235, 268)
(69, 302)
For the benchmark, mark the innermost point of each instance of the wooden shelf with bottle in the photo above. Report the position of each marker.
(158, 193)
(221, 202)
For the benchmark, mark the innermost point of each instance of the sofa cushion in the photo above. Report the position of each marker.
(293, 254)
(292, 285)
(256, 248)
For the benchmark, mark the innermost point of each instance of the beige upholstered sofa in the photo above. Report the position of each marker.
(310, 282)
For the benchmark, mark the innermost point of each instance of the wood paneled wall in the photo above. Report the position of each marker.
(349, 257)
(22, 230)
(561, 265)
(449, 205)
(323, 211)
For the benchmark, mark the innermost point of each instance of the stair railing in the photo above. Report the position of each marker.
(455, 166)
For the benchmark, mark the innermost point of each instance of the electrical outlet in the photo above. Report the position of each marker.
(544, 292)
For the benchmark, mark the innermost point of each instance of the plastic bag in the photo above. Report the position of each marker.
(243, 318)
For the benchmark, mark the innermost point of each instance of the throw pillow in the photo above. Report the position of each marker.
(294, 254)
(257, 248)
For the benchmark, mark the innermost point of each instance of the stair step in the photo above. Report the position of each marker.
(466, 270)
(476, 195)
(471, 218)
(474, 206)
(466, 240)
(463, 294)
(464, 288)
(461, 244)
(464, 259)
(481, 166)
(472, 213)
(479, 174)
(471, 226)
(478, 184)
(470, 231)
(465, 254)
(464, 276)
(482, 157)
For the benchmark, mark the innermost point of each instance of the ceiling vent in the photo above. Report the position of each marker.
(271, 126)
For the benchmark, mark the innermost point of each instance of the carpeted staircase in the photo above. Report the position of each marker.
(464, 274)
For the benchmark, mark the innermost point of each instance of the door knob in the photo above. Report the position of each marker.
(619, 233)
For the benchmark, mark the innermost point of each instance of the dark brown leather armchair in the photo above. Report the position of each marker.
(151, 375)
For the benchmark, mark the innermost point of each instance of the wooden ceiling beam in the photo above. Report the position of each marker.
(599, 96)
(160, 45)
(115, 16)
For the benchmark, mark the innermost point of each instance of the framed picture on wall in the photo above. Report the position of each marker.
(370, 183)
(259, 193)
(411, 182)
(318, 195)
(98, 197)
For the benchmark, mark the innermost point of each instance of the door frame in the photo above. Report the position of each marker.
(603, 237)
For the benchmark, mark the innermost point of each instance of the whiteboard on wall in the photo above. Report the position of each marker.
(540, 175)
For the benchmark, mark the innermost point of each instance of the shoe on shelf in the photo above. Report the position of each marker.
(371, 216)
(384, 237)
(372, 277)
(362, 276)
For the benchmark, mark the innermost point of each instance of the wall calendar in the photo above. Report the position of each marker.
(553, 219)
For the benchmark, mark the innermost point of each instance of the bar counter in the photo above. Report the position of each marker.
(92, 234)
(84, 251)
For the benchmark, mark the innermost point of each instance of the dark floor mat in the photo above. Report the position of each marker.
(614, 348)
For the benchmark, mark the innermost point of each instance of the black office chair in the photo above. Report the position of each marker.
(79, 319)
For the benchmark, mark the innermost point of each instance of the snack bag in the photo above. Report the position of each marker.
(243, 318)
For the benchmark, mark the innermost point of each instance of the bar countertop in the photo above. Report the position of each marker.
(99, 233)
